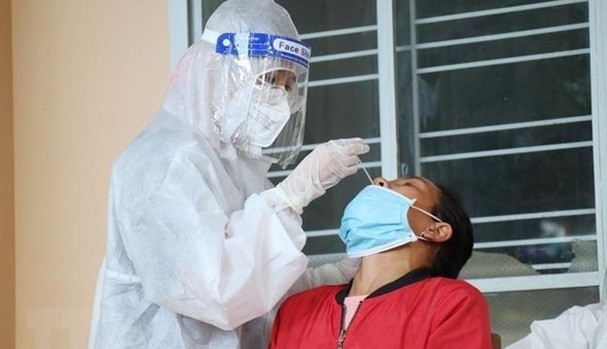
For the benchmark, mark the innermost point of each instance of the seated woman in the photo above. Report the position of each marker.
(414, 237)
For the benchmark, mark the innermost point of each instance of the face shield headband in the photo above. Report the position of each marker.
(261, 45)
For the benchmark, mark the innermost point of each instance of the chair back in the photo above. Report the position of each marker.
(496, 340)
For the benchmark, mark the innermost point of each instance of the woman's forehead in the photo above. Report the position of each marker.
(421, 182)
(423, 185)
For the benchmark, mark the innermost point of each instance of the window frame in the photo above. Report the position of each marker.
(185, 25)
(598, 81)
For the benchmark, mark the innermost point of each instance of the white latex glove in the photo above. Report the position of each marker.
(323, 168)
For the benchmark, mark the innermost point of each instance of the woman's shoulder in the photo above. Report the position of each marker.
(448, 286)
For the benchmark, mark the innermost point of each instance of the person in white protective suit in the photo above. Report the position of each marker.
(199, 241)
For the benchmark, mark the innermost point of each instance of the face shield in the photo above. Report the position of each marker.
(267, 110)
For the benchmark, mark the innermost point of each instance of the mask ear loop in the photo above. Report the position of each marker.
(421, 236)
(427, 214)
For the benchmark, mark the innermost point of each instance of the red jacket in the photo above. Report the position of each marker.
(414, 312)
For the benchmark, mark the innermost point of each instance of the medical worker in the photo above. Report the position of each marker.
(199, 242)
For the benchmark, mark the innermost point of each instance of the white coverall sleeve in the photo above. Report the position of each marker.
(576, 328)
(195, 260)
(290, 220)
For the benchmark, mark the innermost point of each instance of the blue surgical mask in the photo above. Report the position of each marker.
(376, 221)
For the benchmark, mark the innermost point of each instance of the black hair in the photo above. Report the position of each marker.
(456, 251)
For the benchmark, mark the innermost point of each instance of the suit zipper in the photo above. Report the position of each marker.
(342, 330)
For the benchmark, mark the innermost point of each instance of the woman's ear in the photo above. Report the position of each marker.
(438, 232)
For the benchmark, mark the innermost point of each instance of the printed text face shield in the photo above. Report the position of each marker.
(271, 103)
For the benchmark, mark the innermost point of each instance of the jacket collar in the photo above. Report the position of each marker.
(407, 279)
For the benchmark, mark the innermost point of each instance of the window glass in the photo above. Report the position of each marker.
(344, 67)
(343, 43)
(325, 244)
(402, 23)
(502, 23)
(434, 8)
(533, 247)
(342, 111)
(505, 93)
(521, 46)
(520, 183)
(505, 139)
(578, 225)
(317, 16)
(407, 119)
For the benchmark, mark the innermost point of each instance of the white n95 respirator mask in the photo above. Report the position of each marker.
(264, 110)
(268, 113)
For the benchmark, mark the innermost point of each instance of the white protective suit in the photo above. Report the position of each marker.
(576, 328)
(199, 243)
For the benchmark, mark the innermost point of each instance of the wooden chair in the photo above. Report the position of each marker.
(496, 340)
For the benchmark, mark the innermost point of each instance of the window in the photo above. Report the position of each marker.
(499, 100)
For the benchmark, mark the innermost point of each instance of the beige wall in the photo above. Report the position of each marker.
(7, 232)
(87, 76)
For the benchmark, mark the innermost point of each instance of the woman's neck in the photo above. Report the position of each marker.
(380, 269)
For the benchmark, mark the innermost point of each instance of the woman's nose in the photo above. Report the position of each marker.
(382, 182)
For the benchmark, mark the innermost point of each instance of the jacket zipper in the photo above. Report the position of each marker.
(342, 330)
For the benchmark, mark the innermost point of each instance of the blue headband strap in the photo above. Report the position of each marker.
(259, 44)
